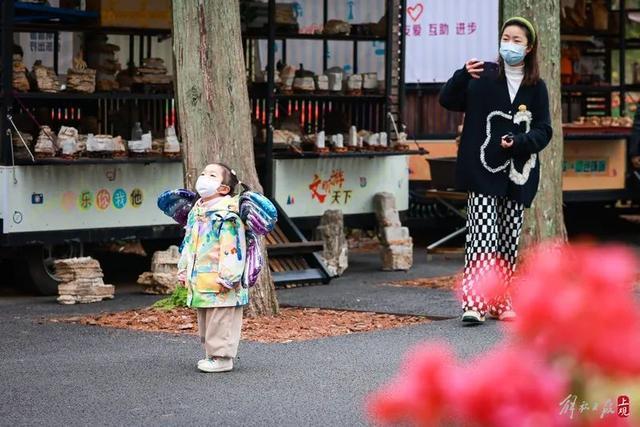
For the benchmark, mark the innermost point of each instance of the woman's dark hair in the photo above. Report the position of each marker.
(531, 69)
(231, 180)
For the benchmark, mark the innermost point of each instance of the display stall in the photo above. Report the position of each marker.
(599, 76)
(325, 103)
(600, 70)
(87, 143)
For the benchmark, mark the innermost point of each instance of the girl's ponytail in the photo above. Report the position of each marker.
(244, 187)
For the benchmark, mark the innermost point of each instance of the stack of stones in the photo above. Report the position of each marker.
(46, 145)
(153, 71)
(20, 81)
(101, 56)
(81, 80)
(46, 78)
(336, 250)
(81, 281)
(163, 277)
(397, 245)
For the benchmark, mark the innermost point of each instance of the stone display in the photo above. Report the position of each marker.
(336, 250)
(163, 277)
(46, 145)
(81, 281)
(20, 80)
(396, 244)
(46, 78)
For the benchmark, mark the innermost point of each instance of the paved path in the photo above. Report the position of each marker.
(366, 288)
(60, 374)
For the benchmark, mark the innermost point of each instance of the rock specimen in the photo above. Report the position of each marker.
(322, 83)
(119, 147)
(68, 142)
(337, 27)
(163, 278)
(80, 78)
(20, 81)
(304, 84)
(287, 75)
(100, 145)
(336, 250)
(354, 84)
(46, 145)
(397, 245)
(370, 82)
(171, 145)
(153, 71)
(101, 56)
(46, 78)
(81, 281)
(83, 81)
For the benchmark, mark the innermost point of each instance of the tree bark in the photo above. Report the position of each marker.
(545, 219)
(213, 105)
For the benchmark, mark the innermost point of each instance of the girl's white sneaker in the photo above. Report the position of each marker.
(472, 317)
(216, 365)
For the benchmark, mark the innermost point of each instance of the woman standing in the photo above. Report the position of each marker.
(506, 125)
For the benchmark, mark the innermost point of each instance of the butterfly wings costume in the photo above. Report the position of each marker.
(255, 211)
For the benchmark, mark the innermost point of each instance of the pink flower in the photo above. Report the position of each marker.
(511, 386)
(421, 393)
(506, 387)
(578, 302)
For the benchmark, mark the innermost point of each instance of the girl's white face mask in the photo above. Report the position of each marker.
(207, 186)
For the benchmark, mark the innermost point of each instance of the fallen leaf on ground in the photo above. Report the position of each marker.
(292, 324)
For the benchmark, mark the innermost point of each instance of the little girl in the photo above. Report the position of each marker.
(211, 266)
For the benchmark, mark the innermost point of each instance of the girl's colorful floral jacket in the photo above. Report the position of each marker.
(213, 255)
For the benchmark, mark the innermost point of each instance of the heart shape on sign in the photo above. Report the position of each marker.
(415, 12)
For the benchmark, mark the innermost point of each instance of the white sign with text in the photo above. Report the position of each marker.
(442, 34)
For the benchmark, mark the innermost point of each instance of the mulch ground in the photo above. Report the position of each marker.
(441, 282)
(292, 324)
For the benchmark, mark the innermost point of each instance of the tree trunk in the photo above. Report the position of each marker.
(213, 104)
(545, 220)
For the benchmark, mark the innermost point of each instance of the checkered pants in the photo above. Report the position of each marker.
(493, 231)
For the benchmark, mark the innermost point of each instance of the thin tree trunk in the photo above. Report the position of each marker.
(545, 220)
(213, 104)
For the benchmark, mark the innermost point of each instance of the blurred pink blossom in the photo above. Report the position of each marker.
(577, 301)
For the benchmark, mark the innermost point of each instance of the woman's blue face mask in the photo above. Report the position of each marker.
(512, 53)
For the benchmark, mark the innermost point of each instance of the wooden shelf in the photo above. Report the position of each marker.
(298, 36)
(591, 33)
(329, 97)
(91, 161)
(313, 155)
(590, 88)
(74, 28)
(92, 96)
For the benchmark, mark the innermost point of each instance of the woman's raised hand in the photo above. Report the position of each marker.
(474, 67)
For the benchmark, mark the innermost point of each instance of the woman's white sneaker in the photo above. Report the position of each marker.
(216, 365)
(472, 317)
